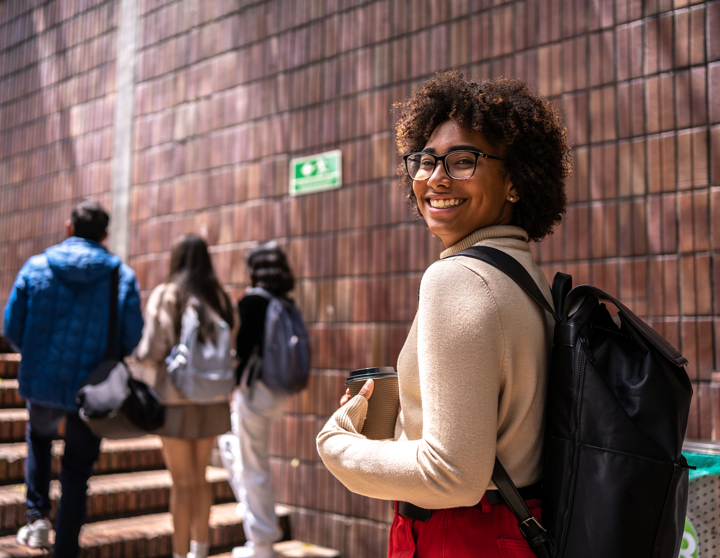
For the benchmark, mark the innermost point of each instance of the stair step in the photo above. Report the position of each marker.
(136, 454)
(112, 496)
(146, 536)
(116, 456)
(12, 425)
(295, 549)
(9, 395)
(9, 365)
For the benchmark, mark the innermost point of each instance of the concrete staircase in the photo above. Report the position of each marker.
(127, 498)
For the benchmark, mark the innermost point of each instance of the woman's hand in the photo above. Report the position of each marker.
(365, 391)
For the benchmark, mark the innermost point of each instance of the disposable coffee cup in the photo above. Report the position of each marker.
(383, 403)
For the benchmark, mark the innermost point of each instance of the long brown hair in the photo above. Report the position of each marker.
(192, 271)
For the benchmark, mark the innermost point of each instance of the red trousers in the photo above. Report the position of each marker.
(483, 531)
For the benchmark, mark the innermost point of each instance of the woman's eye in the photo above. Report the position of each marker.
(464, 161)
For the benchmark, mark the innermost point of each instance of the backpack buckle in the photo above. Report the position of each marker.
(535, 521)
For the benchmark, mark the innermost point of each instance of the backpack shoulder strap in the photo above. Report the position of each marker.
(512, 268)
(259, 291)
(531, 529)
(111, 348)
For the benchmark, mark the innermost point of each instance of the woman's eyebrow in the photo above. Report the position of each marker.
(462, 147)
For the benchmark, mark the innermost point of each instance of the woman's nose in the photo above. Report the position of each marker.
(439, 174)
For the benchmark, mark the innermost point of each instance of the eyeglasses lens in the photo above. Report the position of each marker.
(459, 165)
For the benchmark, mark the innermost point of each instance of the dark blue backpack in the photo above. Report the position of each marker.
(286, 347)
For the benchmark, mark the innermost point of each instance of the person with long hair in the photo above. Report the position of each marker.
(190, 428)
(255, 406)
(484, 164)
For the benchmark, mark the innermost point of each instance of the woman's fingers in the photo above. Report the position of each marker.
(365, 391)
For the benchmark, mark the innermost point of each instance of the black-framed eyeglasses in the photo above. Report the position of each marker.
(459, 165)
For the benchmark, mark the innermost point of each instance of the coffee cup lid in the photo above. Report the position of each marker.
(374, 373)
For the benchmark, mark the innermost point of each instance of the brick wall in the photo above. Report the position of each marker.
(57, 81)
(228, 91)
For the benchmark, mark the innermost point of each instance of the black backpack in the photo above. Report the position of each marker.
(615, 482)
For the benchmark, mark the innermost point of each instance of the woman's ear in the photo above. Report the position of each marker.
(512, 195)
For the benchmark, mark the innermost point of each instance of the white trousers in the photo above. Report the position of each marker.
(252, 414)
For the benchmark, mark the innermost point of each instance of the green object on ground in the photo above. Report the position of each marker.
(689, 546)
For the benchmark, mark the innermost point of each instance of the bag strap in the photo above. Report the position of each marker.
(530, 527)
(111, 349)
(512, 268)
(259, 291)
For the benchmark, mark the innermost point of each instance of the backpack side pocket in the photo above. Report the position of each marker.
(672, 522)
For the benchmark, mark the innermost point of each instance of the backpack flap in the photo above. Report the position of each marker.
(641, 367)
(657, 340)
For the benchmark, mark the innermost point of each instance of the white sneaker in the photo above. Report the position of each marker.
(35, 534)
(198, 550)
(251, 550)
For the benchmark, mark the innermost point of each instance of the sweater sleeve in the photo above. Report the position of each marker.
(460, 346)
(159, 331)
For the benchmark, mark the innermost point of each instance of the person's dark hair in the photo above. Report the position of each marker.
(525, 128)
(89, 220)
(191, 269)
(269, 269)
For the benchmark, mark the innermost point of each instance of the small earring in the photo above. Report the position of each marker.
(511, 198)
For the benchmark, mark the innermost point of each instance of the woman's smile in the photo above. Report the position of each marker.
(444, 203)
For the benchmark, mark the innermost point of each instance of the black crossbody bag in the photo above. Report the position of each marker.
(111, 402)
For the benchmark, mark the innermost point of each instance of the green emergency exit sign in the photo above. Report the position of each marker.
(316, 173)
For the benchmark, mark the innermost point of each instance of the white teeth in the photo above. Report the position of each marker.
(442, 204)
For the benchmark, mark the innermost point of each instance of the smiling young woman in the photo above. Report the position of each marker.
(483, 164)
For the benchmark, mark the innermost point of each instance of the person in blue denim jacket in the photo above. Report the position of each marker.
(57, 317)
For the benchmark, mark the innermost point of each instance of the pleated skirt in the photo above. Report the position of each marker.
(194, 422)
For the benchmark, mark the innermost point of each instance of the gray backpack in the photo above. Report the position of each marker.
(202, 371)
(286, 347)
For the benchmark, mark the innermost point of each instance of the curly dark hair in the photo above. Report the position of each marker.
(269, 269)
(525, 127)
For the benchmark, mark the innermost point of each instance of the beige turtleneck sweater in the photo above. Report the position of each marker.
(472, 378)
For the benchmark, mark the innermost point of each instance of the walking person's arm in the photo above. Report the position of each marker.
(16, 311)
(159, 331)
(132, 319)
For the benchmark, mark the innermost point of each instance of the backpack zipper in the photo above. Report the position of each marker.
(586, 346)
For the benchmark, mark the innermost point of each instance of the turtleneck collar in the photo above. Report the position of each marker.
(487, 233)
